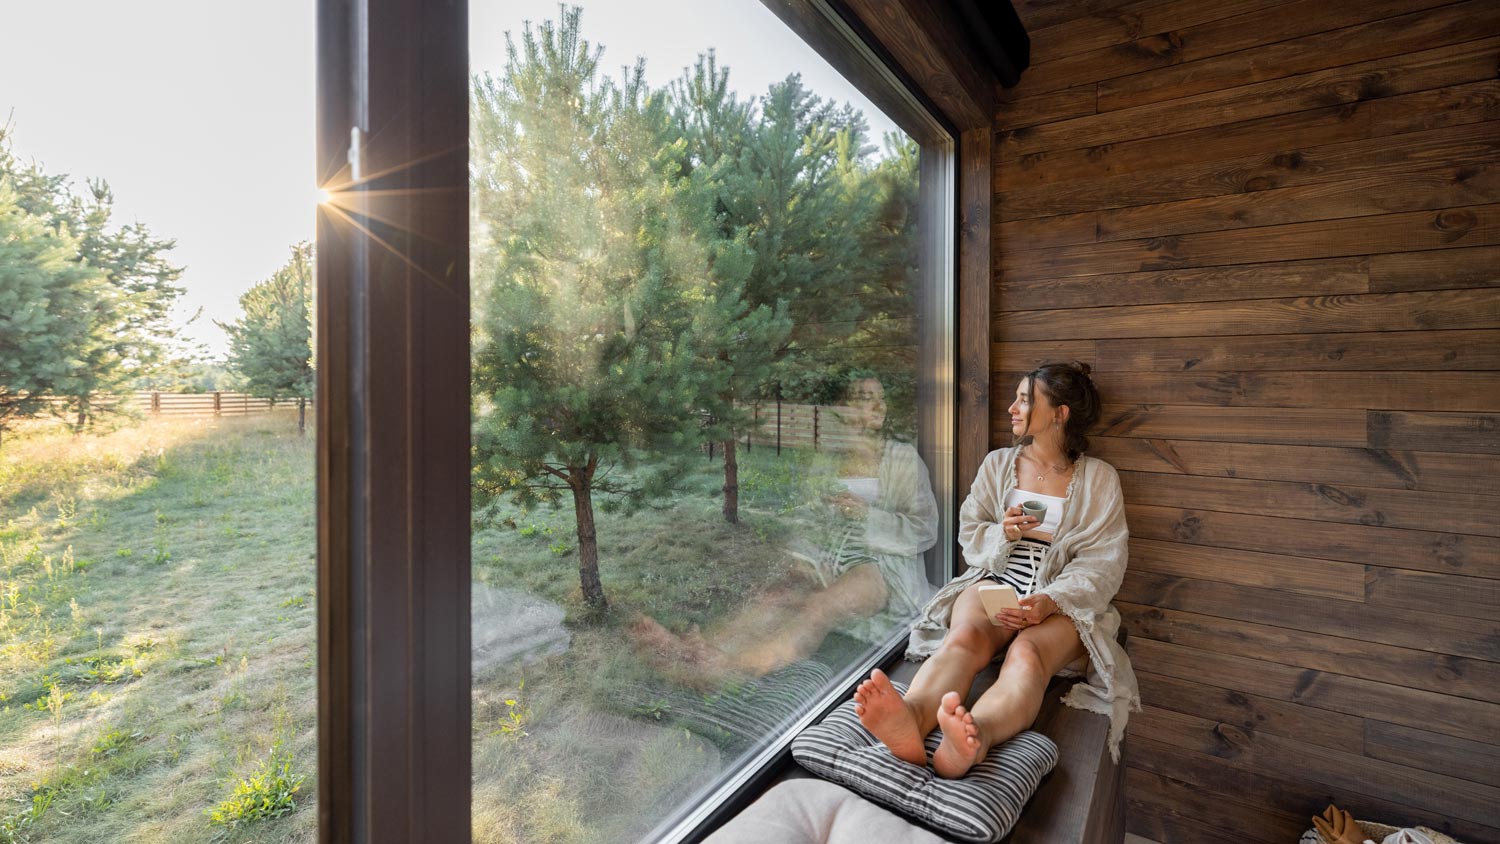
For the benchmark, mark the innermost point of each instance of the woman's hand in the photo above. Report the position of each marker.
(849, 505)
(1015, 522)
(1034, 610)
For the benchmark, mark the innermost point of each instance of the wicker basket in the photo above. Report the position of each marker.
(1378, 831)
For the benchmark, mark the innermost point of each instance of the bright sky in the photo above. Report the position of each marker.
(199, 113)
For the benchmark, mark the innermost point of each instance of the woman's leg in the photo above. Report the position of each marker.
(859, 592)
(902, 723)
(1012, 703)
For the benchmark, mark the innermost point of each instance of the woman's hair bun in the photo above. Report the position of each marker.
(1083, 368)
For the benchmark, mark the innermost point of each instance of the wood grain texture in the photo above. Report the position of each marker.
(1478, 267)
(1326, 47)
(1335, 654)
(1442, 67)
(1302, 575)
(1253, 712)
(1373, 351)
(1412, 707)
(1370, 467)
(1434, 551)
(1121, 23)
(1413, 231)
(1267, 753)
(1171, 810)
(1470, 433)
(1470, 760)
(1460, 512)
(1287, 791)
(1444, 309)
(1119, 66)
(1331, 276)
(1302, 148)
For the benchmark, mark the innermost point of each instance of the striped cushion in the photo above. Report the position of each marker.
(982, 806)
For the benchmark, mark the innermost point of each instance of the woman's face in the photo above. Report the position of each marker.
(1022, 411)
(867, 397)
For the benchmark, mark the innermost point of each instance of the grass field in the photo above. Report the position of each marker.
(157, 648)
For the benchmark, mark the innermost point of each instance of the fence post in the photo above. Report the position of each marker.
(815, 427)
(218, 406)
(155, 401)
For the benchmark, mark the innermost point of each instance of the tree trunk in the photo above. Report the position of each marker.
(582, 481)
(731, 483)
(301, 416)
(83, 414)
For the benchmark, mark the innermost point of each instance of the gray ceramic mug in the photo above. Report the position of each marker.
(1035, 509)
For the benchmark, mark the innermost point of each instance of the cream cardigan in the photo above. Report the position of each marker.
(1081, 572)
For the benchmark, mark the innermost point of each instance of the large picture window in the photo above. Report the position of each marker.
(711, 420)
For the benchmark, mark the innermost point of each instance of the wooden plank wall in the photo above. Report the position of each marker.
(1274, 230)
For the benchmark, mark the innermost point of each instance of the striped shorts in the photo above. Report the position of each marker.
(1020, 570)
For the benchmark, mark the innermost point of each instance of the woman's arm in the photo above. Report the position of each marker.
(1092, 575)
(981, 533)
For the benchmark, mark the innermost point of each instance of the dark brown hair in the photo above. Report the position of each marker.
(1066, 384)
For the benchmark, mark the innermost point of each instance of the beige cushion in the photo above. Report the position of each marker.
(811, 811)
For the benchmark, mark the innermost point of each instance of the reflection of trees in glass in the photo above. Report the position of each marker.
(588, 350)
(270, 345)
(646, 259)
(122, 332)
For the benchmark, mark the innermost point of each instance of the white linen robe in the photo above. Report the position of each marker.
(1081, 572)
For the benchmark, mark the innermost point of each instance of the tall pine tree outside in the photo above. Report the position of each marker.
(589, 370)
(46, 298)
(270, 345)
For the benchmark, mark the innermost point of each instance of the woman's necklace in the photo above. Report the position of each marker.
(1043, 476)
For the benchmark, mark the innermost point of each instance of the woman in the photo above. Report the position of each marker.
(1067, 569)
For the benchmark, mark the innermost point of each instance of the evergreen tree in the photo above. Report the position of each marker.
(270, 345)
(589, 298)
(46, 298)
(128, 322)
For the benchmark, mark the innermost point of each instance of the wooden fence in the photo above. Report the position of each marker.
(219, 403)
(781, 425)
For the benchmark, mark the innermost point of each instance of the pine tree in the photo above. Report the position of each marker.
(45, 300)
(270, 345)
(589, 374)
(127, 325)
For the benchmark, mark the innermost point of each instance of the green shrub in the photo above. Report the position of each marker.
(268, 793)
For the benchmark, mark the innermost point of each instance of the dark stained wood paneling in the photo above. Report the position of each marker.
(1286, 791)
(1409, 33)
(1445, 553)
(1448, 228)
(1470, 62)
(1168, 807)
(973, 305)
(1473, 433)
(1336, 654)
(1470, 597)
(1303, 575)
(1432, 631)
(1252, 712)
(1446, 309)
(1329, 276)
(928, 45)
(1307, 147)
(1471, 760)
(1126, 22)
(1361, 351)
(1412, 707)
(1275, 235)
(1427, 470)
(1461, 512)
(1427, 271)
(1269, 754)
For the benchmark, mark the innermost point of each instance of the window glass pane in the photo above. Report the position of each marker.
(157, 635)
(702, 492)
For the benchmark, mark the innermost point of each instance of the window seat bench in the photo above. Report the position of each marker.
(1081, 801)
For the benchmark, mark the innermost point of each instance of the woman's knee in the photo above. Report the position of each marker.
(971, 641)
(1025, 657)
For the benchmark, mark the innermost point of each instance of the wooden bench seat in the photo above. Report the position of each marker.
(1082, 800)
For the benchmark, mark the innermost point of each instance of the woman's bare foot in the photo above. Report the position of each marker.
(885, 714)
(687, 658)
(961, 746)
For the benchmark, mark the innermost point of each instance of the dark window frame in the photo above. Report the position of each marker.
(394, 713)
